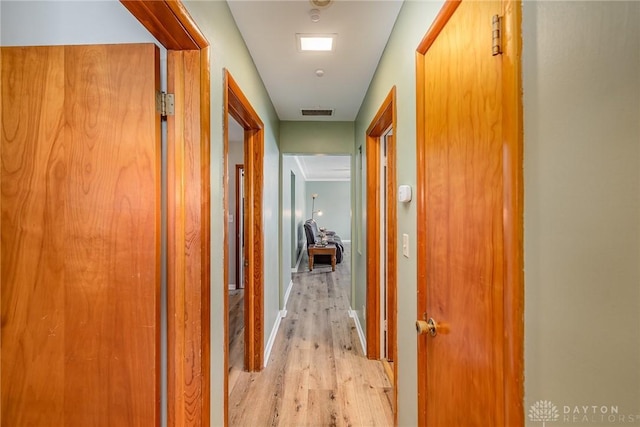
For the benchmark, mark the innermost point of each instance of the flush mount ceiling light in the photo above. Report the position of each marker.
(316, 42)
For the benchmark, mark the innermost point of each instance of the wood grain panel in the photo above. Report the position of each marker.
(169, 22)
(175, 245)
(112, 241)
(512, 132)
(254, 296)
(466, 250)
(97, 182)
(188, 288)
(373, 248)
(34, 169)
(464, 222)
(195, 289)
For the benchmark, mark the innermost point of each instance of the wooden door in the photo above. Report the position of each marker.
(463, 374)
(80, 231)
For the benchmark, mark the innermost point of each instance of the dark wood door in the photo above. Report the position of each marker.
(80, 228)
(461, 251)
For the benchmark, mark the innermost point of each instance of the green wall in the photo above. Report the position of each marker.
(229, 51)
(316, 137)
(581, 79)
(291, 213)
(334, 200)
(397, 68)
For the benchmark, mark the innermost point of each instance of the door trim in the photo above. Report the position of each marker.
(512, 203)
(188, 208)
(383, 120)
(238, 106)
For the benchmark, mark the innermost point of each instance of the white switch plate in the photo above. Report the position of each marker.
(405, 245)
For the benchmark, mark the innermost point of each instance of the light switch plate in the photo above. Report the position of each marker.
(405, 245)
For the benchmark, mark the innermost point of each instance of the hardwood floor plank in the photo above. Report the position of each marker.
(317, 374)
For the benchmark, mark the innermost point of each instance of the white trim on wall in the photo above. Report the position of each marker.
(363, 340)
(287, 294)
(272, 338)
(295, 269)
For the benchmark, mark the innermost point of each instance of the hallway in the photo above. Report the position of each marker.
(317, 374)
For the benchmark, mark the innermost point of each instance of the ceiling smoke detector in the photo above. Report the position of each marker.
(317, 112)
(321, 3)
(315, 15)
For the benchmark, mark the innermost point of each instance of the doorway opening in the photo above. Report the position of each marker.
(235, 222)
(381, 240)
(239, 109)
(387, 307)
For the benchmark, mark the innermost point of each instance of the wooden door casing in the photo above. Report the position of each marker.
(384, 120)
(469, 245)
(188, 207)
(239, 108)
(80, 235)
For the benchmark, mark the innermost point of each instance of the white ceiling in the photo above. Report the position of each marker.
(269, 30)
(325, 168)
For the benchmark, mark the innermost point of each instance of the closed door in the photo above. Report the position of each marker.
(462, 299)
(80, 229)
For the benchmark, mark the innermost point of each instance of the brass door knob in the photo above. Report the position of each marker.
(429, 326)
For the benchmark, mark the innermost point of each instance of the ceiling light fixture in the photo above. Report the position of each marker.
(316, 42)
(319, 72)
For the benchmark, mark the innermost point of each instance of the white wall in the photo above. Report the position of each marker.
(581, 78)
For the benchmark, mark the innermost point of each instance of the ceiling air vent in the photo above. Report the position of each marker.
(324, 112)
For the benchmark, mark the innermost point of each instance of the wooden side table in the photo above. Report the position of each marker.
(329, 249)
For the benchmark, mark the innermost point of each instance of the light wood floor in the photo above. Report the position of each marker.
(317, 374)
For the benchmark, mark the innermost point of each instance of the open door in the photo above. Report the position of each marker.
(80, 233)
(470, 346)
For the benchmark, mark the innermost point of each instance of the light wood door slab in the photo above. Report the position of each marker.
(80, 236)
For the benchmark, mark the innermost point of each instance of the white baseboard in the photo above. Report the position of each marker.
(295, 269)
(272, 338)
(363, 340)
(232, 286)
(287, 293)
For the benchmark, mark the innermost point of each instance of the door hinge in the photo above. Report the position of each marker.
(165, 104)
(385, 325)
(496, 36)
